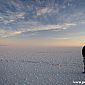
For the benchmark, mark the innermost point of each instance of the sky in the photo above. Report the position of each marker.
(42, 22)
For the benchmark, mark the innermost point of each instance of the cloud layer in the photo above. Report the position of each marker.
(42, 18)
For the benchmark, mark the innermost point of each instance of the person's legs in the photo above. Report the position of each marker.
(84, 65)
(84, 69)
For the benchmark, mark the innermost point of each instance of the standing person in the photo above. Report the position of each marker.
(83, 54)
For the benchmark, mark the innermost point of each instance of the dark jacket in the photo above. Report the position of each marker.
(83, 51)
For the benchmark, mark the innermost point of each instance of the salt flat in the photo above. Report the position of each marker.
(41, 66)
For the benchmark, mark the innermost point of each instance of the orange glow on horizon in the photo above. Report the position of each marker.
(41, 43)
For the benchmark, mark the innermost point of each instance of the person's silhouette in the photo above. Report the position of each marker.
(83, 54)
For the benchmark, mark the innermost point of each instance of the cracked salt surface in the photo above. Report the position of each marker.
(41, 66)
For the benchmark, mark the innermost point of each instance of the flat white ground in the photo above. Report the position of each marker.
(41, 66)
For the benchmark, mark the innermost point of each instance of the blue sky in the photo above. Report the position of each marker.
(42, 19)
